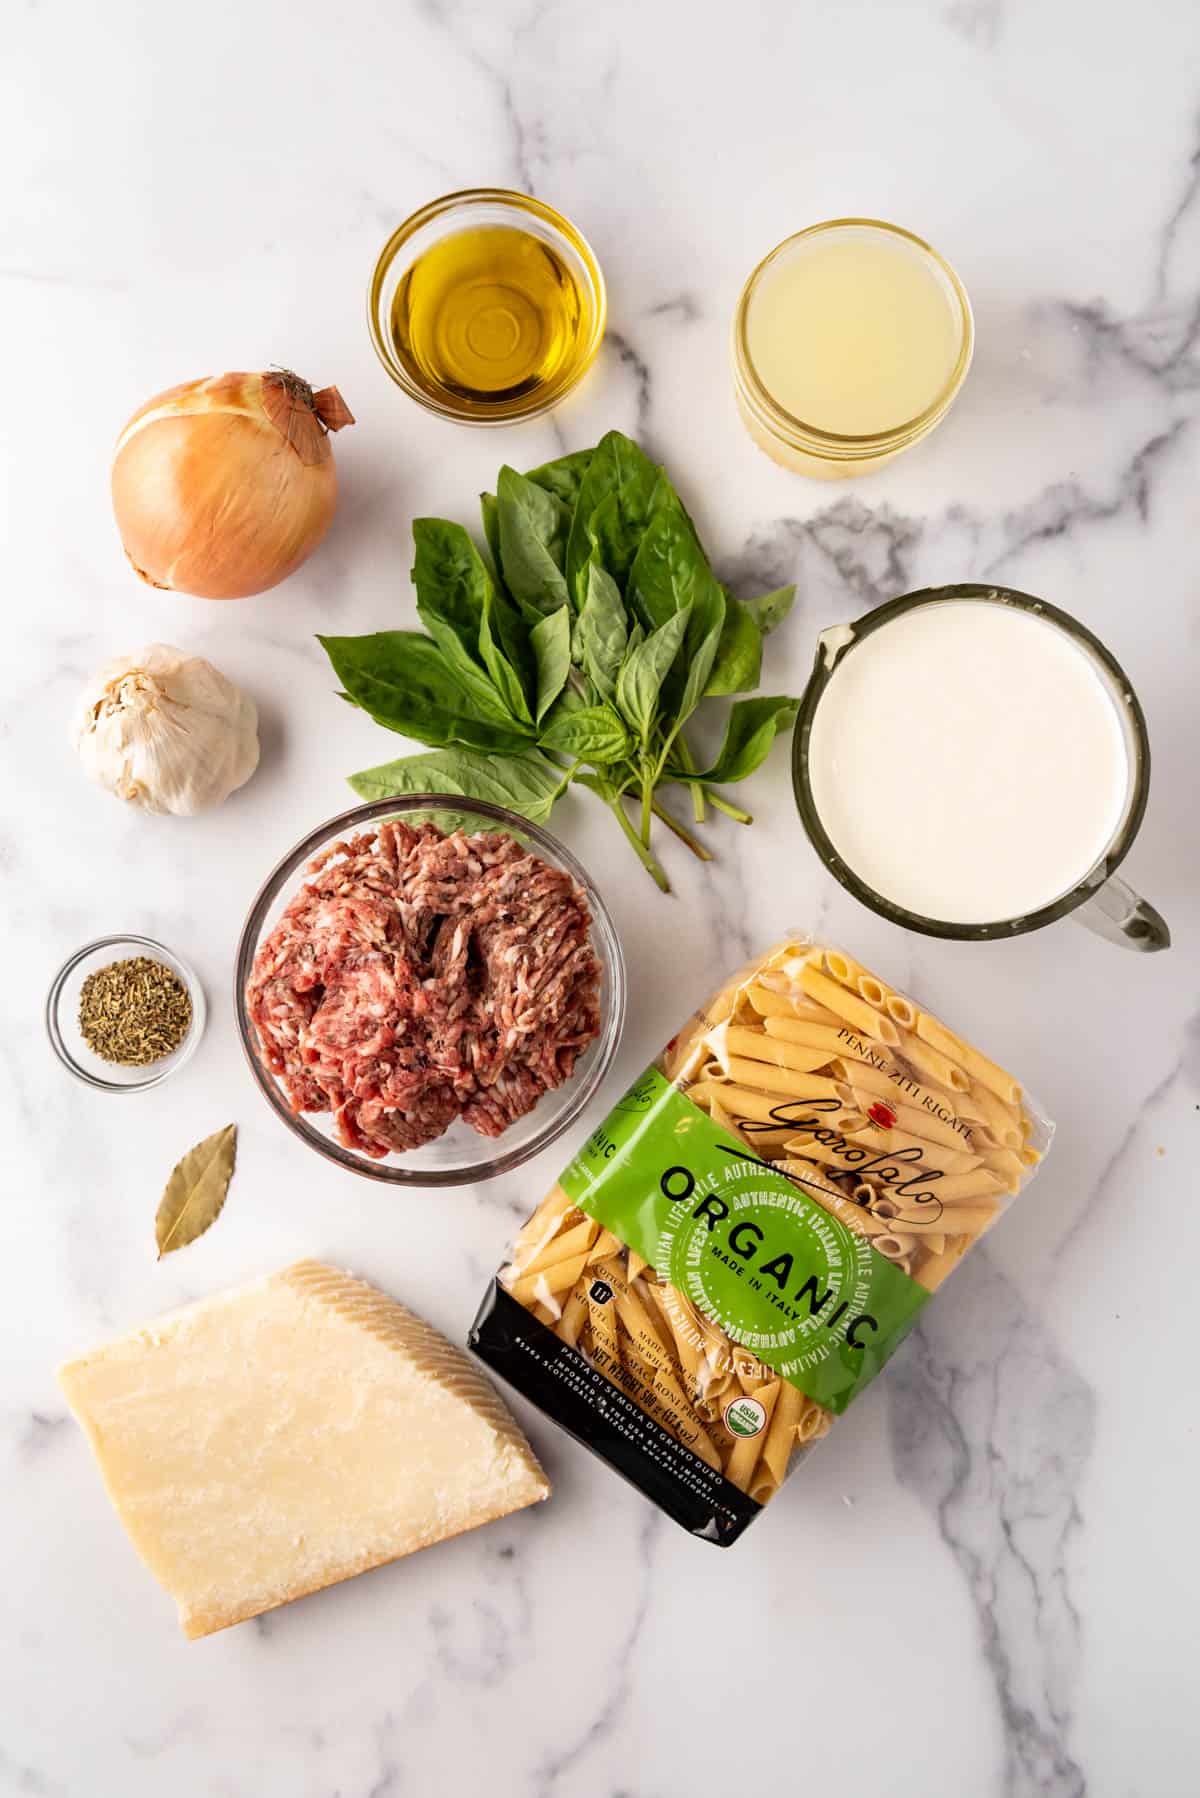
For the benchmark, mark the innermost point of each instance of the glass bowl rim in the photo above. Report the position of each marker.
(823, 671)
(812, 437)
(387, 1171)
(462, 199)
(178, 1058)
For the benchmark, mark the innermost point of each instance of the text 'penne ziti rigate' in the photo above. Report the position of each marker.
(747, 1238)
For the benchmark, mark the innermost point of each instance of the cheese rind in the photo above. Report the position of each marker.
(269, 1441)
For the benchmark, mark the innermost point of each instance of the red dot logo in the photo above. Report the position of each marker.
(882, 1114)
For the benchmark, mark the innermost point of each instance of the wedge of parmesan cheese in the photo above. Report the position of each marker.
(266, 1442)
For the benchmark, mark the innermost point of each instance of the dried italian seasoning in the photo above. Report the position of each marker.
(134, 1012)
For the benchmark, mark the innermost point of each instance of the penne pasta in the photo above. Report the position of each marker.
(965, 1219)
(780, 1437)
(897, 1245)
(902, 1011)
(785, 1001)
(545, 1222)
(932, 1154)
(838, 1040)
(856, 1217)
(917, 1123)
(544, 1285)
(935, 1268)
(772, 1079)
(685, 1050)
(1003, 1121)
(898, 1087)
(814, 1423)
(848, 1005)
(872, 990)
(645, 1354)
(757, 1045)
(1008, 1169)
(812, 1071)
(934, 1065)
(840, 966)
(988, 1075)
(742, 1460)
(698, 1372)
(568, 1244)
(574, 1312)
(981, 1183)
(938, 1037)
(746, 1106)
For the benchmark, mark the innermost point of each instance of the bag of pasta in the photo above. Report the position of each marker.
(750, 1234)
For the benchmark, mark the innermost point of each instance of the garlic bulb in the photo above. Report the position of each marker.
(166, 731)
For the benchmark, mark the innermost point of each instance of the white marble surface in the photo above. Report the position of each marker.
(986, 1582)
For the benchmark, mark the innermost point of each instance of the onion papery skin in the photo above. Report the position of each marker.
(211, 498)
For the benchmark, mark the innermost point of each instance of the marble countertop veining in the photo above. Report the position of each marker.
(986, 1583)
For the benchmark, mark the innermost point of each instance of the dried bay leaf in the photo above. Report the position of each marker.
(195, 1193)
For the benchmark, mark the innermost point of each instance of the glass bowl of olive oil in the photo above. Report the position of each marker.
(487, 306)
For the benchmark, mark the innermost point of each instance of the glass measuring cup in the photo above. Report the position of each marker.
(1099, 898)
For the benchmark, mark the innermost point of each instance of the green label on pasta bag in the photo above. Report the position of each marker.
(742, 1245)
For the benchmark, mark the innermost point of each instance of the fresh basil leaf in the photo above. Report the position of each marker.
(512, 629)
(770, 609)
(490, 513)
(645, 668)
(671, 571)
(532, 526)
(550, 640)
(595, 734)
(549, 516)
(697, 671)
(618, 526)
(738, 664)
(601, 633)
(524, 783)
(610, 538)
(453, 586)
(450, 578)
(620, 470)
(751, 729)
(505, 649)
(563, 477)
(401, 679)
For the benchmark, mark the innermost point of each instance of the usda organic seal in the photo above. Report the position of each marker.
(745, 1417)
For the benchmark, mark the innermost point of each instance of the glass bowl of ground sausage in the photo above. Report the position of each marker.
(429, 990)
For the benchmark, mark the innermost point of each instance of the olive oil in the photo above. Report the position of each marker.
(492, 319)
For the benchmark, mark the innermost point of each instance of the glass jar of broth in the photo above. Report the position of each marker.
(850, 342)
(487, 306)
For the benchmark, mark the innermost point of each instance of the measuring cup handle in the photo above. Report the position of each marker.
(1118, 914)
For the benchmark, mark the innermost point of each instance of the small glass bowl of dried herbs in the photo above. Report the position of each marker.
(124, 1012)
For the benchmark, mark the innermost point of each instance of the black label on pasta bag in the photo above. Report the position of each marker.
(561, 1382)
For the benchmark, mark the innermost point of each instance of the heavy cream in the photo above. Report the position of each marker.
(968, 761)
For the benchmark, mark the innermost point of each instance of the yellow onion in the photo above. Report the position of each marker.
(223, 487)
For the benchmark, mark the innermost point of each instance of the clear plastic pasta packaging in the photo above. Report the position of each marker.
(747, 1238)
